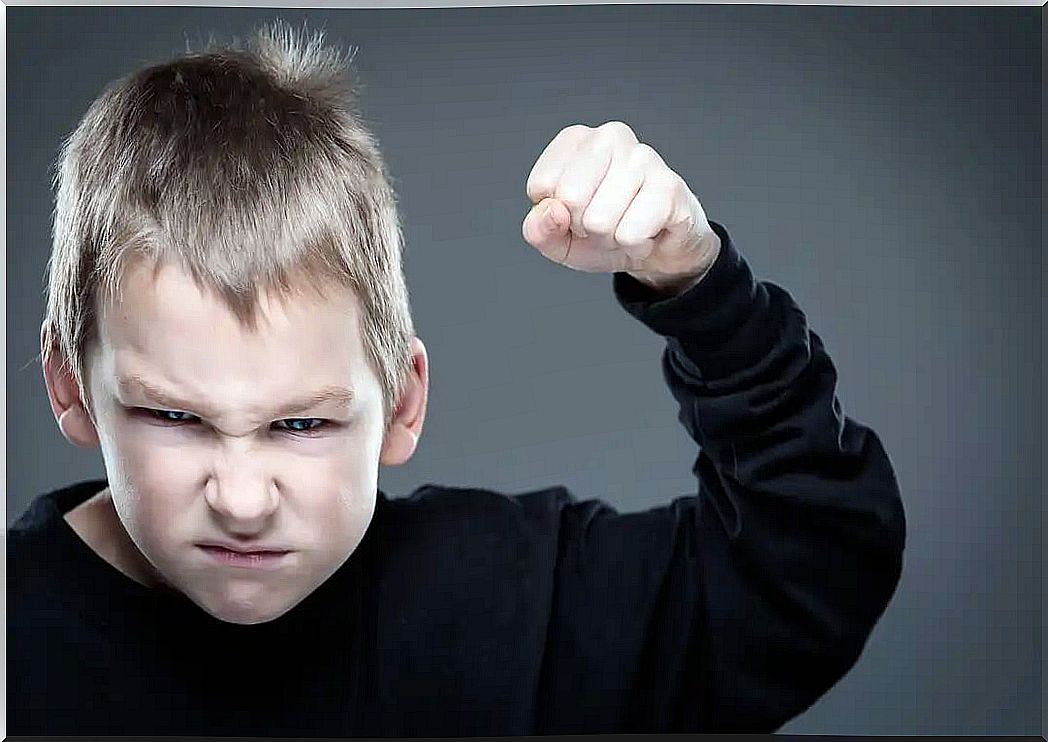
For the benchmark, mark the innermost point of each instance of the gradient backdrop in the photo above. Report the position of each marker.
(882, 164)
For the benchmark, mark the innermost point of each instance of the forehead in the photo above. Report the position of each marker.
(164, 326)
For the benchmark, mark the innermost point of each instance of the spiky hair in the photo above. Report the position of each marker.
(248, 166)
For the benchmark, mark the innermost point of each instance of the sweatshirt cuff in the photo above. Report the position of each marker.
(722, 325)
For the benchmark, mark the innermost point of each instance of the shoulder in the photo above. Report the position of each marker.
(441, 533)
(459, 586)
(440, 508)
(438, 516)
(41, 545)
(37, 605)
(28, 540)
(45, 510)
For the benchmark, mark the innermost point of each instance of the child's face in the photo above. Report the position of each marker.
(233, 464)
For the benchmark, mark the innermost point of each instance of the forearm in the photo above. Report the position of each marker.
(801, 523)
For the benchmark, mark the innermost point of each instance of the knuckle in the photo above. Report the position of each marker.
(670, 181)
(602, 141)
(539, 186)
(678, 188)
(575, 132)
(597, 222)
(572, 198)
(645, 154)
(618, 129)
(573, 201)
(599, 141)
(663, 181)
(629, 238)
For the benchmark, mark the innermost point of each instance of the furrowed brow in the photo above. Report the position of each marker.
(337, 396)
(156, 395)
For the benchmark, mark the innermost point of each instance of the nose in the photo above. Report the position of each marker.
(240, 491)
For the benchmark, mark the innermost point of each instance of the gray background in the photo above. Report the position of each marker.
(882, 164)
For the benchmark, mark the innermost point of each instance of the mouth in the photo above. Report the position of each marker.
(262, 558)
(256, 549)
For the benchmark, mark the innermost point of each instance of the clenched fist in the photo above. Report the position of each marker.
(605, 202)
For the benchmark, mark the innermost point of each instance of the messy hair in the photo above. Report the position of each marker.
(246, 165)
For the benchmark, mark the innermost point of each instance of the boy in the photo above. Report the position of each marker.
(227, 319)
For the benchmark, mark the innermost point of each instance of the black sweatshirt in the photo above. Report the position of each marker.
(469, 612)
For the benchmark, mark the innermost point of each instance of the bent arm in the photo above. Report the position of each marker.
(735, 609)
(800, 524)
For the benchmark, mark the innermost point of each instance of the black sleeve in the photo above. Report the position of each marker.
(736, 609)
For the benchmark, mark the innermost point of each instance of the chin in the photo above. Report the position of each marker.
(247, 615)
(250, 620)
(244, 605)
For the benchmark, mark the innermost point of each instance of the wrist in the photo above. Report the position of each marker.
(675, 283)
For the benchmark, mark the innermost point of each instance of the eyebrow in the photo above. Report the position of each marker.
(340, 396)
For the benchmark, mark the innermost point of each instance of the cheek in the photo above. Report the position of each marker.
(156, 486)
(348, 513)
(149, 454)
(338, 486)
(345, 462)
(337, 493)
(150, 467)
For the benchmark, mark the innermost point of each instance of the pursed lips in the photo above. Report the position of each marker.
(253, 549)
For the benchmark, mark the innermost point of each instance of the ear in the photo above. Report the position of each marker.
(404, 429)
(64, 395)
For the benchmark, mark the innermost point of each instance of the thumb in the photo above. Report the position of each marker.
(546, 228)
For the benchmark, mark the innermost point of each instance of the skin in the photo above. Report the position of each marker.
(224, 466)
(230, 467)
(605, 202)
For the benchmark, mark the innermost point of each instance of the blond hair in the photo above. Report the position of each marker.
(247, 166)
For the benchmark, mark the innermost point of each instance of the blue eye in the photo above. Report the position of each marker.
(171, 416)
(303, 425)
(300, 425)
